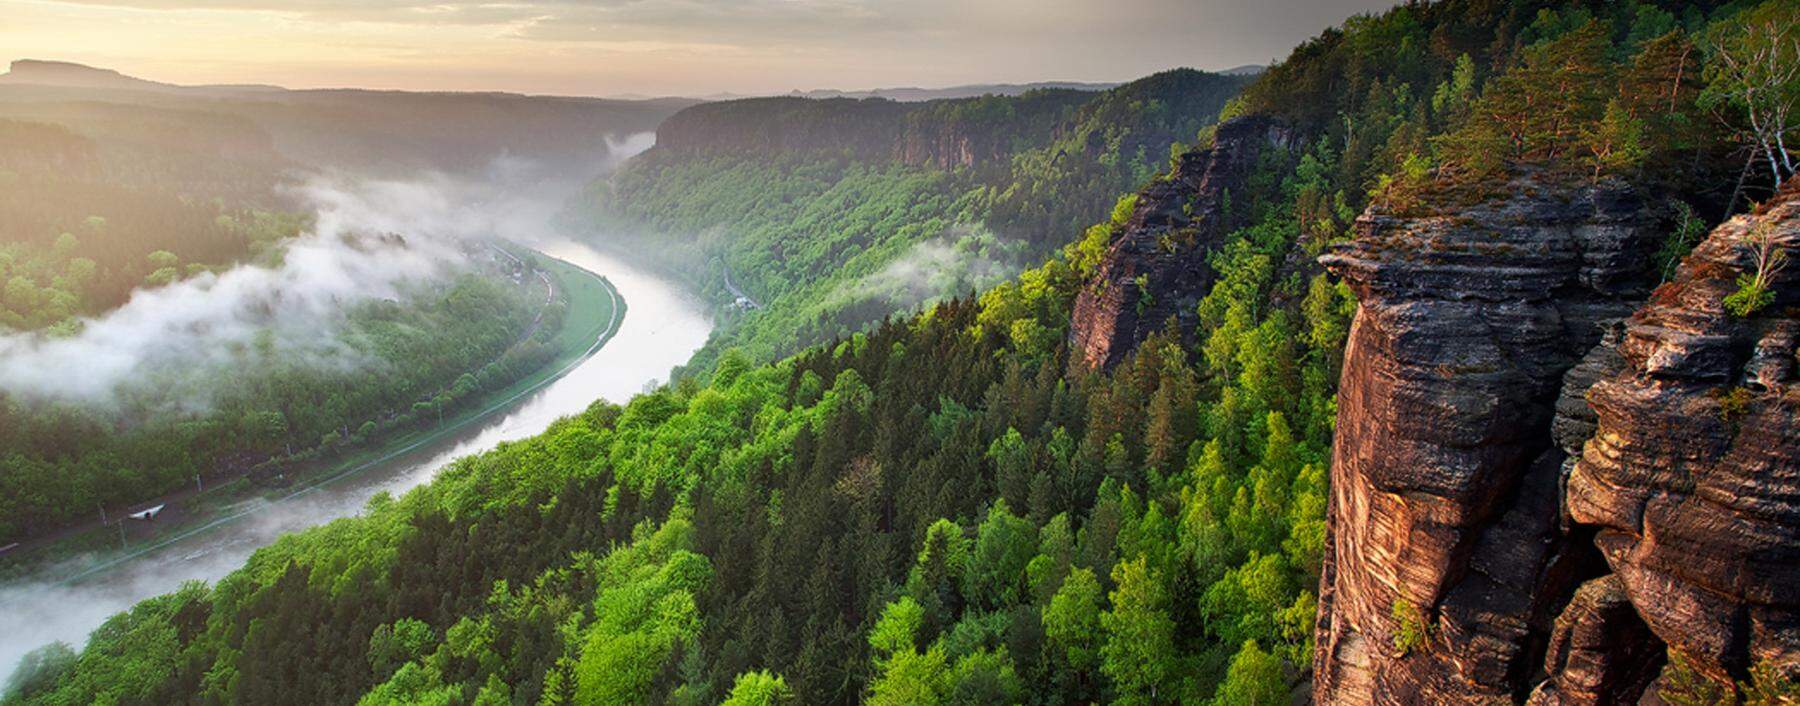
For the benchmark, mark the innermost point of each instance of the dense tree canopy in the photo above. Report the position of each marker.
(939, 509)
(60, 460)
(833, 214)
(99, 202)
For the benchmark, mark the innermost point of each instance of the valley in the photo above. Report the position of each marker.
(605, 349)
(1450, 357)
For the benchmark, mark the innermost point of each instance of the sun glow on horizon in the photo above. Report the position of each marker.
(650, 47)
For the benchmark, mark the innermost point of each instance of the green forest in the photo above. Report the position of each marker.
(939, 508)
(439, 348)
(93, 212)
(830, 236)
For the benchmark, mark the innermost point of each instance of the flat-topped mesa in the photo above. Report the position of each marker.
(1693, 474)
(1447, 561)
(1156, 266)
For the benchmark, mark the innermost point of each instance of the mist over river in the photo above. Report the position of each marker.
(663, 326)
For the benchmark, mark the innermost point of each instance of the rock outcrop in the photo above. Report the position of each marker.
(1156, 266)
(1445, 512)
(1693, 473)
(1536, 498)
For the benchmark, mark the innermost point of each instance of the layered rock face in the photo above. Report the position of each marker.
(1446, 478)
(1693, 473)
(1156, 268)
(1521, 515)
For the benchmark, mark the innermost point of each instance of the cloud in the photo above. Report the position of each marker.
(664, 47)
(770, 23)
(721, 23)
(961, 260)
(567, 18)
(171, 342)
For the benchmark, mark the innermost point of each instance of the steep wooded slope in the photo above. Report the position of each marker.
(949, 508)
(832, 214)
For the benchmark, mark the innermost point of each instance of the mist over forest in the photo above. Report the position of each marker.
(1450, 354)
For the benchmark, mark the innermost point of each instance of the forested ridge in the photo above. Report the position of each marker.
(942, 508)
(100, 202)
(834, 213)
(437, 349)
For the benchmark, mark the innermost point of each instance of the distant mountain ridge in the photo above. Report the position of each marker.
(976, 90)
(372, 130)
(69, 74)
(909, 94)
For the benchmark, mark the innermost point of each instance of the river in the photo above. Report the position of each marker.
(663, 326)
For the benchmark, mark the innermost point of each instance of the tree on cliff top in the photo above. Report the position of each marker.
(1754, 75)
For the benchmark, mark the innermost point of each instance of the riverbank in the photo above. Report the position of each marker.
(594, 313)
(665, 323)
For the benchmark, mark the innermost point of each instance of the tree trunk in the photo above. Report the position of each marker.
(1787, 161)
(1736, 191)
(1774, 164)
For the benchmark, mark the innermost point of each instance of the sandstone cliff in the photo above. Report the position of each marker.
(1156, 267)
(1445, 521)
(1531, 498)
(1693, 473)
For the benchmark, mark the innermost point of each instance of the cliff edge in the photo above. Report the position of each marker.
(1546, 477)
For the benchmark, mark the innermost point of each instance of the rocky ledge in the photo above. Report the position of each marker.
(1693, 474)
(1537, 498)
(1156, 266)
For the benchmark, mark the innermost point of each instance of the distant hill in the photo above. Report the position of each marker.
(382, 131)
(984, 129)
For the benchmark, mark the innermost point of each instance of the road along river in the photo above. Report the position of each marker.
(662, 327)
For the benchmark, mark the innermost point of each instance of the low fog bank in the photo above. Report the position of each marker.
(961, 260)
(206, 325)
(373, 239)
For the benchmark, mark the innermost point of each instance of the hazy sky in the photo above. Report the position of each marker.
(600, 47)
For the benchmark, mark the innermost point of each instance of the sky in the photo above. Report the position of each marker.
(659, 47)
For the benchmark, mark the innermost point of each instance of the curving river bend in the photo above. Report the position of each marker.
(663, 326)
